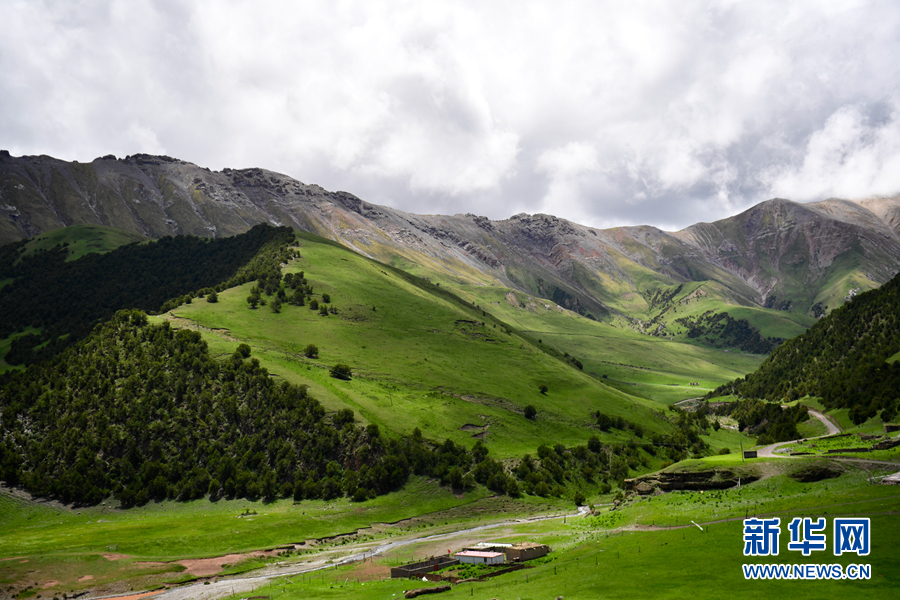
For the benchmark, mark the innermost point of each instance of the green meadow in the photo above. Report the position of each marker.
(43, 542)
(652, 367)
(622, 552)
(420, 358)
(659, 564)
(168, 530)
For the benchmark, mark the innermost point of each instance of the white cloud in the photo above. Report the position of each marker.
(852, 152)
(652, 112)
(571, 160)
(570, 169)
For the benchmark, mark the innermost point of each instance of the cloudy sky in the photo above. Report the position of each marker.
(605, 113)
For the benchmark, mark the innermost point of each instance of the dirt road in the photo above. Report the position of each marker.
(769, 451)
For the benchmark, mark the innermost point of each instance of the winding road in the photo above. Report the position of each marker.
(769, 451)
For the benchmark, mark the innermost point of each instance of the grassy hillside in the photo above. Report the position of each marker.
(657, 368)
(847, 274)
(420, 357)
(462, 366)
(695, 312)
(647, 345)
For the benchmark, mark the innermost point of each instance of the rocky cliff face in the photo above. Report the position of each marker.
(778, 253)
(154, 196)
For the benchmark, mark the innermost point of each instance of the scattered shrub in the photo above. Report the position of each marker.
(341, 371)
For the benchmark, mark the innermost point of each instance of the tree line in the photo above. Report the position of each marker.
(722, 330)
(769, 421)
(65, 300)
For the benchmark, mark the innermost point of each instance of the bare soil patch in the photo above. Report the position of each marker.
(205, 567)
(49, 584)
(370, 571)
(85, 578)
(114, 556)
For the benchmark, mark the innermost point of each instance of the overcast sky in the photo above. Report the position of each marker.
(605, 113)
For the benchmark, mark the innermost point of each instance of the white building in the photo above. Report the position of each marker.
(481, 558)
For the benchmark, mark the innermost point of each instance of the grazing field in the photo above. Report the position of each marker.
(419, 357)
(626, 552)
(147, 545)
(653, 367)
(166, 530)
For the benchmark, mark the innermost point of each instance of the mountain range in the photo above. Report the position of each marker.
(804, 259)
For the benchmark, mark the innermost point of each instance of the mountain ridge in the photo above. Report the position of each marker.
(778, 254)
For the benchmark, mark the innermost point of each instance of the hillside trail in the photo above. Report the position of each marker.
(327, 559)
(769, 451)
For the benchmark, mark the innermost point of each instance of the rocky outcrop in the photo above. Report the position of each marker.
(716, 479)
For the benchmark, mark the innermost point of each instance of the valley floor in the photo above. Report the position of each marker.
(692, 541)
(687, 541)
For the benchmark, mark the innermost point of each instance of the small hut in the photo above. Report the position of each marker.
(481, 558)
